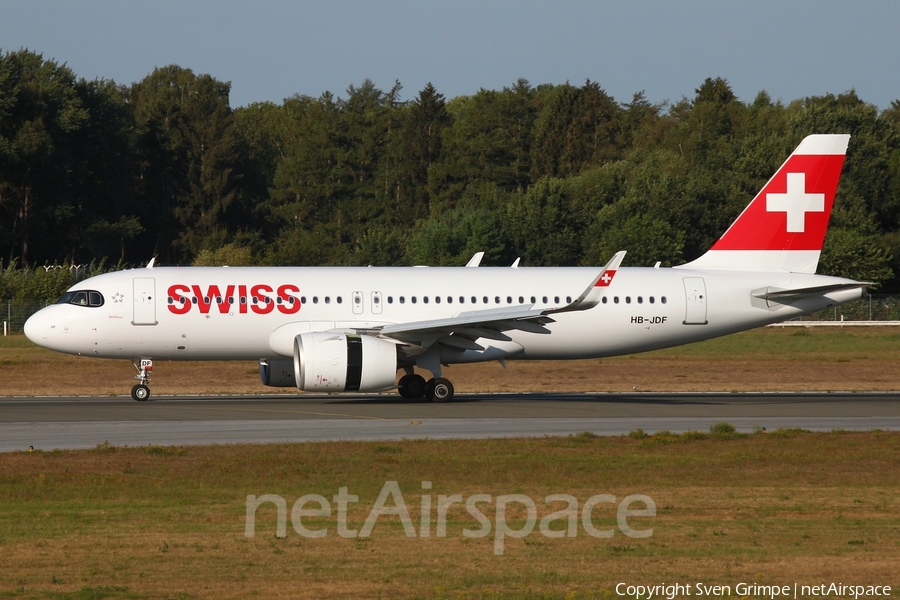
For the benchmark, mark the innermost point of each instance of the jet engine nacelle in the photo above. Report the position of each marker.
(277, 372)
(338, 362)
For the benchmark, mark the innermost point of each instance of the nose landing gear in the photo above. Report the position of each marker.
(141, 391)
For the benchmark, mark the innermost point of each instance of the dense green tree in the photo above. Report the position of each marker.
(188, 158)
(545, 226)
(490, 141)
(577, 127)
(451, 238)
(554, 174)
(421, 146)
(40, 115)
(108, 212)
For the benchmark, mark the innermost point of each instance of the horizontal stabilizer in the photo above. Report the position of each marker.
(771, 293)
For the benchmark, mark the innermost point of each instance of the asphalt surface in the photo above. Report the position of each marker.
(83, 422)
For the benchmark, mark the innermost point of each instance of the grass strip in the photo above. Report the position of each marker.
(771, 508)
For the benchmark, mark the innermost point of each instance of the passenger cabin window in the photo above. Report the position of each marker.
(82, 298)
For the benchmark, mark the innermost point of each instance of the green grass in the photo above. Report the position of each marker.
(162, 522)
(792, 343)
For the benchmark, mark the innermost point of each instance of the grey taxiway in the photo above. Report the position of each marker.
(83, 422)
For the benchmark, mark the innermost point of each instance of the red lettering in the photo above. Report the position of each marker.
(213, 296)
(243, 299)
(261, 300)
(224, 306)
(262, 304)
(291, 303)
(179, 304)
(205, 301)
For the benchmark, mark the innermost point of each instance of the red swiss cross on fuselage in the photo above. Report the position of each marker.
(605, 279)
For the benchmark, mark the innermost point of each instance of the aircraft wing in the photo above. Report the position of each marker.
(464, 328)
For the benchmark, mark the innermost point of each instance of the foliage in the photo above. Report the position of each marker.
(554, 174)
(46, 282)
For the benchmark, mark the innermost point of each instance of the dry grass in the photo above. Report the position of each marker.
(768, 359)
(169, 522)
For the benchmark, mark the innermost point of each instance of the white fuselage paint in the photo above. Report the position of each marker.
(137, 318)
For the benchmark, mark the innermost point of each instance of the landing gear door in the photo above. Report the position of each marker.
(144, 301)
(695, 301)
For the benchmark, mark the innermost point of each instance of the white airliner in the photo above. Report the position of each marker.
(351, 329)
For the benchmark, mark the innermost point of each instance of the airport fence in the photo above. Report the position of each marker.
(874, 307)
(16, 312)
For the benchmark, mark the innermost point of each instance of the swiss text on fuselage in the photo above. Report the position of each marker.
(257, 299)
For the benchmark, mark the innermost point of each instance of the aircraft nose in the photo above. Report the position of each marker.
(37, 328)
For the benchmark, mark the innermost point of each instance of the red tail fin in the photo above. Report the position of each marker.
(783, 228)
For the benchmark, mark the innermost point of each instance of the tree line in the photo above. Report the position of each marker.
(562, 174)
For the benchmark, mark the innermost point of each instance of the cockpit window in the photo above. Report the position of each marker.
(82, 298)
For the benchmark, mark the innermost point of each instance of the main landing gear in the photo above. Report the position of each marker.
(141, 391)
(414, 387)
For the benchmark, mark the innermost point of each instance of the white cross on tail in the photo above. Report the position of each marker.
(796, 202)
